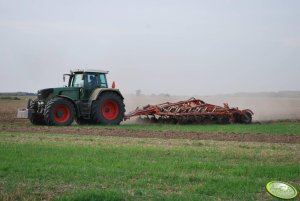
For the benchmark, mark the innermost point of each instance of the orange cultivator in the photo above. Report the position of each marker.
(191, 111)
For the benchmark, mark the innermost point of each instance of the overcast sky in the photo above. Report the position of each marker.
(177, 47)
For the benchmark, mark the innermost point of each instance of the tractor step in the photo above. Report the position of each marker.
(84, 108)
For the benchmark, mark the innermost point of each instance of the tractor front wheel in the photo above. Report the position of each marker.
(109, 109)
(36, 118)
(59, 112)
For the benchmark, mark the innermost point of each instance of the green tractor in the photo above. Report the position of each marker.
(87, 99)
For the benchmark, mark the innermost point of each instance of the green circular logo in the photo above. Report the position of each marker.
(281, 190)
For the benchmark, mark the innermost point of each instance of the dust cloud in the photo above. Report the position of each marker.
(264, 108)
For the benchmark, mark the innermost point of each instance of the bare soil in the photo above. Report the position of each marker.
(155, 134)
(8, 122)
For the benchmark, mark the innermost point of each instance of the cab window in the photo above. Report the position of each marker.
(103, 82)
(91, 80)
(78, 80)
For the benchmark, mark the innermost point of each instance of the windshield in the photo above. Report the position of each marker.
(77, 80)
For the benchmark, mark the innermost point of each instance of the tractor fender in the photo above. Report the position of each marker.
(97, 92)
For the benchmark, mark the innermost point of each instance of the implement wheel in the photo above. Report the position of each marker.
(246, 118)
(109, 109)
(59, 112)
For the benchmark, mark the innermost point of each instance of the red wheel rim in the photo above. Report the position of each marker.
(61, 113)
(110, 110)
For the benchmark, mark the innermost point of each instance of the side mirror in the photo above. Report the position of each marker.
(64, 77)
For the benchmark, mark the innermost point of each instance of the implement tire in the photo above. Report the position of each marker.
(59, 112)
(246, 118)
(108, 109)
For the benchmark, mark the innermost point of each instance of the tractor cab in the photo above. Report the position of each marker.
(87, 81)
(87, 78)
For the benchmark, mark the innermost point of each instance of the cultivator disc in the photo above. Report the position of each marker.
(191, 111)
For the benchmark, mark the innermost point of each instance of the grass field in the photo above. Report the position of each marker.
(281, 128)
(291, 128)
(71, 167)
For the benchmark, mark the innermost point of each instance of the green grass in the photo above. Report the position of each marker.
(10, 98)
(73, 167)
(291, 128)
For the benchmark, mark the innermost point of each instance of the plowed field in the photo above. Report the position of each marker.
(8, 122)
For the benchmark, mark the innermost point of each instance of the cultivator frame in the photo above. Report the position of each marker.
(191, 111)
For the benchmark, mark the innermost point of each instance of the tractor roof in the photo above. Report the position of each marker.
(88, 70)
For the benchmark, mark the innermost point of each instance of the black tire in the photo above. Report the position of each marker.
(59, 112)
(28, 103)
(82, 121)
(109, 109)
(36, 118)
(246, 118)
(223, 119)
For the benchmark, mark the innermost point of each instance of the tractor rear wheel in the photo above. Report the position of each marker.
(109, 109)
(59, 112)
(36, 118)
